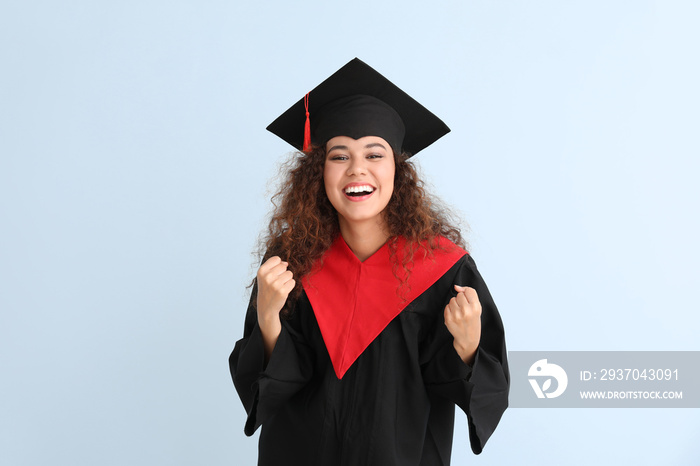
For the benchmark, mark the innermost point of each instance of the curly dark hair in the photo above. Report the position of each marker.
(304, 224)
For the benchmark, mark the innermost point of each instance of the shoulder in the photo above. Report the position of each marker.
(439, 249)
(446, 245)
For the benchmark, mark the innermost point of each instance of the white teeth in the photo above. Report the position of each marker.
(359, 189)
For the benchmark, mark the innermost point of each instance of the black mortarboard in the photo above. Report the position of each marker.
(357, 101)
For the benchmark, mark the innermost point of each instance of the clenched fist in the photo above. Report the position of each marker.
(275, 283)
(463, 320)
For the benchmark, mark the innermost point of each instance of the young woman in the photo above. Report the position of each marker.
(368, 322)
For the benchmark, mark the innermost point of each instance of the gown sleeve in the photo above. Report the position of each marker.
(480, 390)
(265, 389)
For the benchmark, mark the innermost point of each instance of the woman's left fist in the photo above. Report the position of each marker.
(463, 320)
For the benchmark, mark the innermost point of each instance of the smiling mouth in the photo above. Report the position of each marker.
(359, 191)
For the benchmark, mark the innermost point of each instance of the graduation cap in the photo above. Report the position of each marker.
(357, 101)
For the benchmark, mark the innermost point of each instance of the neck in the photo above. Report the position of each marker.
(364, 238)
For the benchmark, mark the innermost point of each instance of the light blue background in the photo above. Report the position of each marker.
(134, 169)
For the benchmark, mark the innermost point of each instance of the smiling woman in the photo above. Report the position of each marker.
(368, 321)
(359, 179)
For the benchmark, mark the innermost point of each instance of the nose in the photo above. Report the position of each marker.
(357, 166)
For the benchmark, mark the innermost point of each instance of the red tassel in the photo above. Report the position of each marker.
(307, 126)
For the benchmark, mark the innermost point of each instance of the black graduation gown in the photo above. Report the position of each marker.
(394, 405)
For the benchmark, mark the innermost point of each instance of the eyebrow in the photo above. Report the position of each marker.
(368, 146)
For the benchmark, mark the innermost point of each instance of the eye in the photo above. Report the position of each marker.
(338, 157)
(375, 156)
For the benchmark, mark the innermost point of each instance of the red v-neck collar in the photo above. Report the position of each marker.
(354, 301)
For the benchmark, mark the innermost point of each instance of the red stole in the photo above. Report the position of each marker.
(354, 301)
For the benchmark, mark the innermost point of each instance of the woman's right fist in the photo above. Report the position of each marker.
(275, 283)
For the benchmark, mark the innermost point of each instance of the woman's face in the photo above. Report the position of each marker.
(359, 177)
